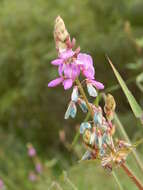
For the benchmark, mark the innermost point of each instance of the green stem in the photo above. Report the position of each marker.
(76, 137)
(84, 97)
(90, 111)
(117, 180)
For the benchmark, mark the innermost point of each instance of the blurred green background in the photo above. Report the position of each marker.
(31, 112)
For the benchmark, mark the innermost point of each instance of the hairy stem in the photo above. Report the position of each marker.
(132, 176)
(90, 111)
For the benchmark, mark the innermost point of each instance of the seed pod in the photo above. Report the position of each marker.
(82, 105)
(87, 155)
(109, 107)
(87, 136)
(93, 139)
(91, 90)
(71, 111)
(84, 126)
(74, 96)
(99, 139)
(98, 118)
(102, 151)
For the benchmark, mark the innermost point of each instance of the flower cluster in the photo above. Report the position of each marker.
(37, 164)
(97, 134)
(71, 63)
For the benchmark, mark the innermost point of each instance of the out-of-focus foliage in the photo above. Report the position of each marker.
(29, 111)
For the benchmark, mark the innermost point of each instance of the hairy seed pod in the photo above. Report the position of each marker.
(109, 107)
(87, 136)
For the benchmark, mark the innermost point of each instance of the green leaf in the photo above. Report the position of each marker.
(132, 101)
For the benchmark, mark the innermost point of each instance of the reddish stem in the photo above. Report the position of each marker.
(131, 175)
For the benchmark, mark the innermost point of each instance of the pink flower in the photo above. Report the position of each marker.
(86, 65)
(38, 168)
(63, 57)
(68, 70)
(70, 64)
(31, 150)
(92, 85)
(98, 85)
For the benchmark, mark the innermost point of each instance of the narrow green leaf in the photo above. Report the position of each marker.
(132, 101)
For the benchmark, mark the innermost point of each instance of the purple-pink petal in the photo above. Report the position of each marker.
(57, 62)
(86, 64)
(71, 71)
(67, 71)
(60, 69)
(97, 84)
(75, 71)
(55, 82)
(67, 83)
(85, 58)
(66, 54)
(89, 72)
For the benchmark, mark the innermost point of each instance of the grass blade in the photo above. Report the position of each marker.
(132, 101)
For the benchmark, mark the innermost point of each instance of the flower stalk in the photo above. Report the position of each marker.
(84, 96)
(132, 176)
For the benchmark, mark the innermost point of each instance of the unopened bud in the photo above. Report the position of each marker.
(60, 34)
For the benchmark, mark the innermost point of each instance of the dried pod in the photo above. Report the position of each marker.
(84, 126)
(98, 118)
(91, 90)
(82, 105)
(87, 136)
(109, 107)
(74, 96)
(87, 155)
(71, 110)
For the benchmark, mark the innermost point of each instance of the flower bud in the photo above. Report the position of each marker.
(60, 34)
